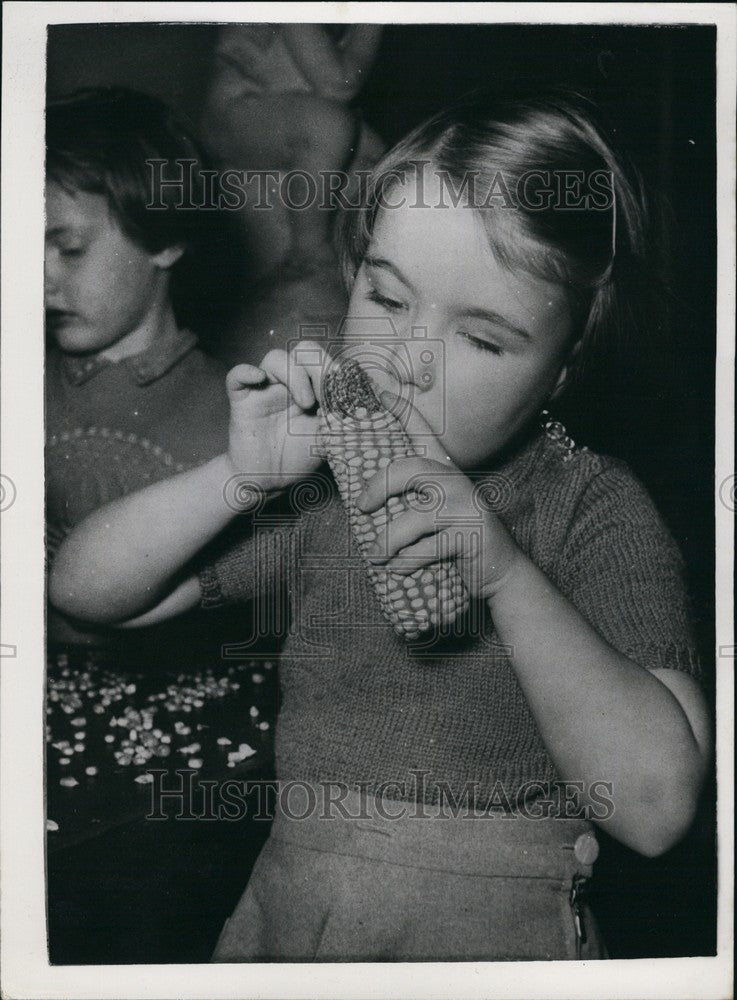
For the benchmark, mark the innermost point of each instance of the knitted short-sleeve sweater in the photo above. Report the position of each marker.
(363, 707)
(116, 427)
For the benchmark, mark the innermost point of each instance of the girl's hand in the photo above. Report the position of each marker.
(273, 416)
(450, 519)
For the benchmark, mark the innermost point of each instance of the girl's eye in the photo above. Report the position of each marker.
(480, 344)
(390, 304)
(71, 251)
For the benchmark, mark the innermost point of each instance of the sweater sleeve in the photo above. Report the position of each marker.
(250, 562)
(622, 570)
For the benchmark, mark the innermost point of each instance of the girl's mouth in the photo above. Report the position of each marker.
(55, 317)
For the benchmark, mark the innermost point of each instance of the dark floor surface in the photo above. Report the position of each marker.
(123, 888)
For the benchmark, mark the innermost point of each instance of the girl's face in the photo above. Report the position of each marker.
(101, 288)
(492, 345)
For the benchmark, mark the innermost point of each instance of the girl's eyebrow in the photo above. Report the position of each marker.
(386, 265)
(498, 320)
(65, 228)
(475, 312)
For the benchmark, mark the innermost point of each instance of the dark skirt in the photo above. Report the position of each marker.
(420, 887)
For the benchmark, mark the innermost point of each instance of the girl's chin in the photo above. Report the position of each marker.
(75, 339)
(477, 462)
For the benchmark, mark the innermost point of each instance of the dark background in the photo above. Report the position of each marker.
(654, 407)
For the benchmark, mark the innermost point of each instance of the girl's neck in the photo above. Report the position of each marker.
(158, 324)
(503, 460)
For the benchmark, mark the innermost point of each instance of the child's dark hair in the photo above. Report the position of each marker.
(99, 140)
(598, 252)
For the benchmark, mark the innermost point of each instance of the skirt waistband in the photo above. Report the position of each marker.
(434, 837)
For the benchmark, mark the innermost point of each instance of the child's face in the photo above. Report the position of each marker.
(505, 336)
(101, 288)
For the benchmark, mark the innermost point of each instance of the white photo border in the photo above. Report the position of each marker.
(24, 960)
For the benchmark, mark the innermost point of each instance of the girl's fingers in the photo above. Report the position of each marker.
(312, 362)
(405, 530)
(427, 550)
(276, 366)
(285, 369)
(300, 383)
(405, 474)
(243, 377)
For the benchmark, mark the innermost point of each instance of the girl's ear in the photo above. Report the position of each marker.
(565, 372)
(167, 257)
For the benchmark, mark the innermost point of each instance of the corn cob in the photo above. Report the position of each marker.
(359, 437)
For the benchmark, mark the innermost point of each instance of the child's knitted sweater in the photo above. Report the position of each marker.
(362, 706)
(113, 428)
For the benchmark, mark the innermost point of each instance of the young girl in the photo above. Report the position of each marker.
(130, 396)
(442, 791)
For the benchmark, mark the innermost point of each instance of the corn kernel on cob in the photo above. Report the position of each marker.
(359, 437)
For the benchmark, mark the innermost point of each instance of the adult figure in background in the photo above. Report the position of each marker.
(282, 99)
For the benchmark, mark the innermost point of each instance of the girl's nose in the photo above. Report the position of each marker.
(423, 356)
(51, 274)
(391, 354)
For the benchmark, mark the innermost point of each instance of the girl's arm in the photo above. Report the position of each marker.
(184, 596)
(127, 563)
(602, 716)
(126, 557)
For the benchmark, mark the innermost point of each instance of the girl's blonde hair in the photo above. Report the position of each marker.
(513, 161)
